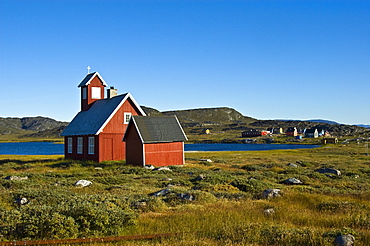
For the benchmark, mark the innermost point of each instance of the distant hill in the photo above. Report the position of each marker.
(194, 121)
(210, 115)
(324, 121)
(362, 125)
(31, 126)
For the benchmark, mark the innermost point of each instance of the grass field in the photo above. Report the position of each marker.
(223, 205)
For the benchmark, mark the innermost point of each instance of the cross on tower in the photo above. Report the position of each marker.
(88, 69)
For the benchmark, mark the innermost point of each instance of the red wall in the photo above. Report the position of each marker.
(95, 82)
(134, 148)
(111, 144)
(164, 154)
(111, 147)
(116, 125)
(84, 155)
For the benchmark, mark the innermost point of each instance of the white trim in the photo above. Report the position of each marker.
(183, 153)
(143, 154)
(80, 145)
(178, 122)
(125, 120)
(95, 74)
(91, 146)
(128, 95)
(137, 130)
(136, 104)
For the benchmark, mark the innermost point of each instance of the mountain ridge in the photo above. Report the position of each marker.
(194, 121)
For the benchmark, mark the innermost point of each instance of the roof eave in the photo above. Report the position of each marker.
(92, 77)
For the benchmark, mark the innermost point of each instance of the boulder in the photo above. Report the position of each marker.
(292, 165)
(270, 193)
(149, 167)
(16, 178)
(269, 211)
(83, 183)
(21, 201)
(161, 192)
(205, 160)
(162, 169)
(186, 196)
(199, 178)
(292, 181)
(345, 240)
(328, 170)
(140, 205)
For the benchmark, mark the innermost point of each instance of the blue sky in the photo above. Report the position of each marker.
(266, 59)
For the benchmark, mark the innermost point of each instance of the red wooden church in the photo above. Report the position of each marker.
(97, 132)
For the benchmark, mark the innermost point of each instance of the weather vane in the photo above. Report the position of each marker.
(88, 69)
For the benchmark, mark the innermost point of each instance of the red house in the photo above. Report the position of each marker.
(155, 140)
(292, 131)
(96, 132)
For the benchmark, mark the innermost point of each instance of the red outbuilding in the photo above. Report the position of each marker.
(155, 140)
(96, 132)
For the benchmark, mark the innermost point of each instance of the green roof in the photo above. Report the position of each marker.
(159, 129)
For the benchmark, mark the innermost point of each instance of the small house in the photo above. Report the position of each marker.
(275, 130)
(154, 140)
(291, 131)
(329, 140)
(311, 133)
(251, 133)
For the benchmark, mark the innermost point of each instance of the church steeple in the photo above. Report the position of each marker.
(92, 89)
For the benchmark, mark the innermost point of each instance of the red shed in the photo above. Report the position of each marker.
(96, 132)
(155, 140)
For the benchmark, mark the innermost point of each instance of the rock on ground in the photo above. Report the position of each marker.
(16, 178)
(161, 192)
(83, 183)
(270, 193)
(345, 240)
(328, 170)
(292, 181)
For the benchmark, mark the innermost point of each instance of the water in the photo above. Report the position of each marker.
(31, 148)
(48, 148)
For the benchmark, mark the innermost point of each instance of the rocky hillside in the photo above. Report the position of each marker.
(204, 116)
(32, 126)
(194, 121)
(227, 119)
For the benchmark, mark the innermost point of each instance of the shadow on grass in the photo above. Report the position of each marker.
(21, 162)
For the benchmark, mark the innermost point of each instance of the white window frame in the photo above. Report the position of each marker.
(91, 149)
(69, 145)
(95, 92)
(127, 117)
(80, 141)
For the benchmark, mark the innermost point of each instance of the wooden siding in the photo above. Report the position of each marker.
(164, 154)
(134, 148)
(85, 146)
(111, 147)
(95, 82)
(116, 124)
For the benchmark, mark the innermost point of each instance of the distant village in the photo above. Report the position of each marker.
(298, 134)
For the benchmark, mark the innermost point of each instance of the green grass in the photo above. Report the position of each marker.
(227, 209)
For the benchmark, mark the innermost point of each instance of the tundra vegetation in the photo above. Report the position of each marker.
(205, 203)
